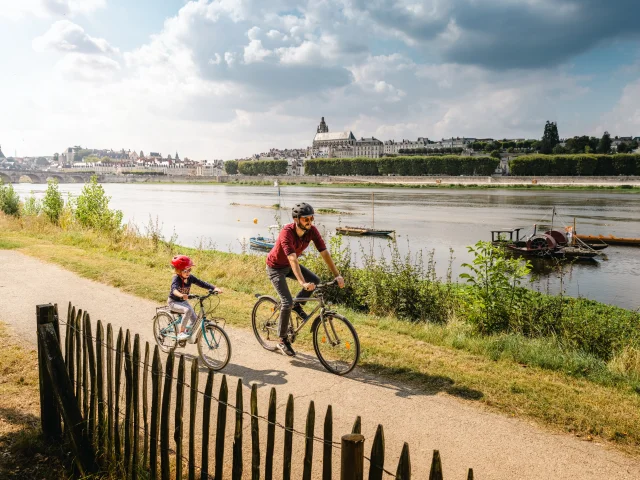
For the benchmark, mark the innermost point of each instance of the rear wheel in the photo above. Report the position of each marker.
(264, 318)
(214, 347)
(164, 331)
(336, 343)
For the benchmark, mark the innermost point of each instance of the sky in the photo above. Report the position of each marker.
(223, 79)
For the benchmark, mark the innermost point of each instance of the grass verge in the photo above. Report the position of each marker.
(512, 374)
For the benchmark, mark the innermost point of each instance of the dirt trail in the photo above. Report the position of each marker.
(467, 435)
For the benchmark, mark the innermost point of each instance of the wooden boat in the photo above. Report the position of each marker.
(261, 243)
(551, 244)
(363, 231)
(608, 239)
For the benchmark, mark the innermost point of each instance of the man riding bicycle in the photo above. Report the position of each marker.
(282, 263)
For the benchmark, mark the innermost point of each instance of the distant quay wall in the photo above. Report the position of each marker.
(387, 180)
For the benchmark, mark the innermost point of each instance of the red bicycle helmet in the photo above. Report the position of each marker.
(181, 262)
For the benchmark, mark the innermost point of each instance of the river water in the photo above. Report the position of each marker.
(425, 219)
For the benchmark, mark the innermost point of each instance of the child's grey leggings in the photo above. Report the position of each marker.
(188, 313)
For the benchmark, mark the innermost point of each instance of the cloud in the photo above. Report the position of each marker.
(18, 9)
(88, 68)
(503, 34)
(624, 118)
(66, 37)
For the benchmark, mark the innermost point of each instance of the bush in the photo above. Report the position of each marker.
(52, 203)
(31, 206)
(263, 167)
(9, 200)
(231, 167)
(568, 165)
(92, 209)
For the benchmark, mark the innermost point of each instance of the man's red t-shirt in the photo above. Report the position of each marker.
(289, 242)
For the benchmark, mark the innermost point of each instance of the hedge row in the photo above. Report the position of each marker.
(263, 167)
(410, 166)
(569, 165)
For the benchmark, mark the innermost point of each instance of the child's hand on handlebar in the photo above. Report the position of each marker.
(217, 290)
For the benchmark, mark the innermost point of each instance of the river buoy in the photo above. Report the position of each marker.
(255, 220)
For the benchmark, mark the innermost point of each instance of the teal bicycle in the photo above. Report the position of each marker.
(214, 347)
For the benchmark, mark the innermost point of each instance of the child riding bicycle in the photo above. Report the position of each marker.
(179, 293)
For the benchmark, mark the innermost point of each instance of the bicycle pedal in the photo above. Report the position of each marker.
(182, 343)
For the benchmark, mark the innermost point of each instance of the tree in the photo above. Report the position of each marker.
(559, 150)
(550, 137)
(141, 154)
(56, 157)
(623, 148)
(52, 203)
(495, 154)
(231, 167)
(9, 200)
(604, 145)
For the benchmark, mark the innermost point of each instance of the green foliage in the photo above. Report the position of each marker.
(9, 200)
(52, 203)
(92, 209)
(550, 137)
(403, 165)
(495, 154)
(263, 167)
(604, 145)
(31, 206)
(569, 165)
(231, 167)
(495, 288)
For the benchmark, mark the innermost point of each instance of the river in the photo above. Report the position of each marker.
(424, 219)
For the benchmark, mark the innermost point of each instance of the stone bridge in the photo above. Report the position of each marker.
(40, 176)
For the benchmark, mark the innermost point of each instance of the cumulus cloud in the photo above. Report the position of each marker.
(88, 68)
(65, 36)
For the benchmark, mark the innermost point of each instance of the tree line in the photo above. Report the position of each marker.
(571, 165)
(409, 166)
(256, 167)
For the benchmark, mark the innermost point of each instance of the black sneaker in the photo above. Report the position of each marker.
(285, 348)
(300, 311)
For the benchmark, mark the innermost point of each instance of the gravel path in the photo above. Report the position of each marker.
(467, 435)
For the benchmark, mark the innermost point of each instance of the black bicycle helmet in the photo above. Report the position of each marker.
(302, 210)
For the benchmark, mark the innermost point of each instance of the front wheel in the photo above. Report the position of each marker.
(264, 318)
(164, 331)
(336, 343)
(214, 347)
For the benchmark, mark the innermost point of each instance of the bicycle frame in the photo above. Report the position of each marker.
(198, 328)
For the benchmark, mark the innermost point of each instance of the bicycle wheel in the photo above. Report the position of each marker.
(336, 343)
(164, 331)
(214, 347)
(264, 318)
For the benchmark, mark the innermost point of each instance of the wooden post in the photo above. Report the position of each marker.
(357, 425)
(352, 457)
(116, 411)
(308, 442)
(100, 389)
(70, 313)
(79, 358)
(221, 423)
(206, 422)
(436, 467)
(156, 373)
(165, 466)
(93, 394)
(145, 405)
(71, 336)
(178, 427)
(327, 448)
(377, 455)
(271, 436)
(63, 391)
(470, 475)
(49, 414)
(136, 407)
(128, 393)
(404, 465)
(255, 435)
(85, 372)
(236, 471)
(193, 411)
(110, 439)
(288, 440)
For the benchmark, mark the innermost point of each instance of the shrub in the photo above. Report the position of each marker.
(52, 203)
(31, 206)
(92, 209)
(263, 167)
(9, 200)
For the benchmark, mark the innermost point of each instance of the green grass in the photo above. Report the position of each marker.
(532, 378)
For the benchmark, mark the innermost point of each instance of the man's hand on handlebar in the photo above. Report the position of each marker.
(340, 281)
(308, 286)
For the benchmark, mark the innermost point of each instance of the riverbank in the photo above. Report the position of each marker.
(531, 378)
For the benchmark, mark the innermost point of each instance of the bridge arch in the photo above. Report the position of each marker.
(78, 179)
(29, 178)
(58, 178)
(5, 178)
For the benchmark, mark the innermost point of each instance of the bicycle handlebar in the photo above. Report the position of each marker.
(202, 297)
(326, 284)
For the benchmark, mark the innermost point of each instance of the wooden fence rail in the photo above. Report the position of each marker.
(105, 435)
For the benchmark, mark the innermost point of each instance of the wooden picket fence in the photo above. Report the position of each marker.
(83, 389)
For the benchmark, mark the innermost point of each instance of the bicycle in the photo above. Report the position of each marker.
(214, 347)
(335, 341)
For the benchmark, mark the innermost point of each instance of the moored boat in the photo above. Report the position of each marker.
(261, 243)
(363, 231)
(608, 239)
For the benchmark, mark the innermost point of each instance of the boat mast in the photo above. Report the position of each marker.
(373, 215)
